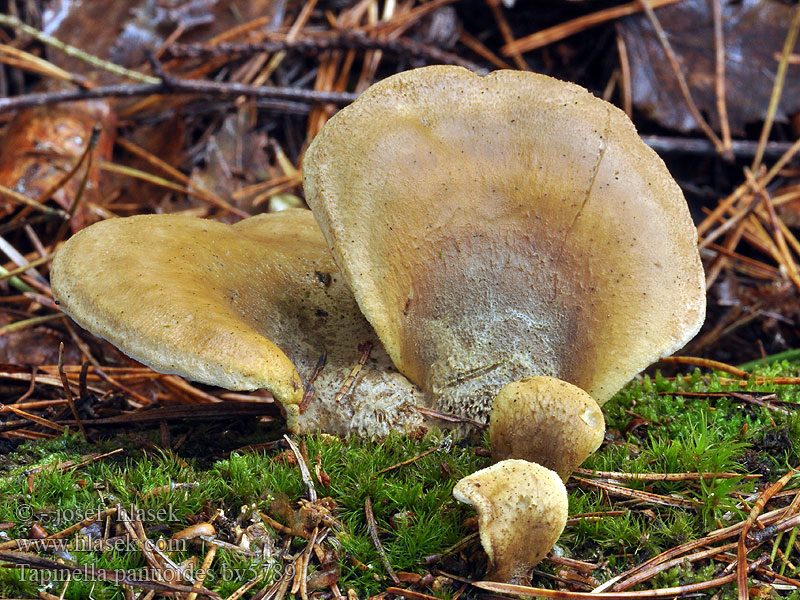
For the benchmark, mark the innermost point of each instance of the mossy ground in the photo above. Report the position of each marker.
(652, 429)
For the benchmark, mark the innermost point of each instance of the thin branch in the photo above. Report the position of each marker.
(176, 86)
(15, 23)
(341, 41)
(719, 80)
(742, 149)
(777, 88)
(647, 6)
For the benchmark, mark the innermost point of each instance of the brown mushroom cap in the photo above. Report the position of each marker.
(546, 421)
(498, 227)
(245, 306)
(522, 510)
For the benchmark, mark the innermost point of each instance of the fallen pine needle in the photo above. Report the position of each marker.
(522, 590)
(563, 30)
(373, 531)
(707, 363)
(26, 323)
(38, 420)
(661, 476)
(741, 551)
(637, 494)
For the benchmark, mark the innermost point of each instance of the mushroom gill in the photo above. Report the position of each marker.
(494, 228)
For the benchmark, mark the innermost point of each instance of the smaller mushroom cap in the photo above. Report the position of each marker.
(547, 421)
(245, 306)
(522, 510)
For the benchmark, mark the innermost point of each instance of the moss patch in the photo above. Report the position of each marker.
(652, 428)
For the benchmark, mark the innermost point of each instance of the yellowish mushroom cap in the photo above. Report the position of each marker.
(245, 306)
(547, 421)
(522, 510)
(498, 227)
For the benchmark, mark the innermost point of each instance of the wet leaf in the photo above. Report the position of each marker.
(42, 145)
(129, 29)
(754, 33)
(235, 157)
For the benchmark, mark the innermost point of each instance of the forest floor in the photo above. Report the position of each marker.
(689, 458)
(694, 487)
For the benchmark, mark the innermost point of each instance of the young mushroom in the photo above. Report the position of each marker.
(246, 306)
(545, 420)
(522, 510)
(498, 227)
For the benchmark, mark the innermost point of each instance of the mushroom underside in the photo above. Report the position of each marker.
(495, 228)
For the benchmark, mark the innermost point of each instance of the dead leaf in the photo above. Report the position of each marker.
(131, 28)
(754, 33)
(42, 145)
(235, 157)
(35, 346)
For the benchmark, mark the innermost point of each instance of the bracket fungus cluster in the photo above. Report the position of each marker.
(510, 241)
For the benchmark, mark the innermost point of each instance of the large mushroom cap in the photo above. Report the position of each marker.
(498, 227)
(245, 306)
(522, 510)
(546, 421)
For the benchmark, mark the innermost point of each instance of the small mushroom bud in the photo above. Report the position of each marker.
(547, 421)
(522, 510)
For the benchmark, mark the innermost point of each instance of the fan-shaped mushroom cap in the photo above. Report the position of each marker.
(245, 306)
(546, 421)
(522, 510)
(498, 227)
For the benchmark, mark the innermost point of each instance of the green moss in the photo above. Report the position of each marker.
(652, 429)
